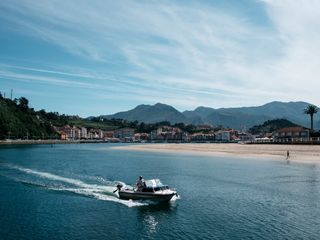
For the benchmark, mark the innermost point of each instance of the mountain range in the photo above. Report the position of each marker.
(238, 118)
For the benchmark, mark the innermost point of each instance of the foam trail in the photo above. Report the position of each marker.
(100, 192)
(51, 176)
(99, 196)
(175, 198)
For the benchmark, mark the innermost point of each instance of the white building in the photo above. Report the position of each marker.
(84, 133)
(223, 136)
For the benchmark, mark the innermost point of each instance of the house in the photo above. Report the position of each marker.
(84, 133)
(202, 137)
(63, 135)
(108, 134)
(245, 137)
(77, 133)
(291, 134)
(101, 134)
(223, 135)
(166, 133)
(123, 133)
(71, 132)
(141, 137)
(153, 135)
(95, 134)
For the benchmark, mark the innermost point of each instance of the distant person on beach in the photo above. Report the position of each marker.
(288, 155)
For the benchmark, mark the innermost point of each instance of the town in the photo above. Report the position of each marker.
(204, 134)
(21, 123)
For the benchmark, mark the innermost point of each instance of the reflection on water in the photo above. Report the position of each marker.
(151, 223)
(155, 215)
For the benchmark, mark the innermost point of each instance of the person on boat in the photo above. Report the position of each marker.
(140, 183)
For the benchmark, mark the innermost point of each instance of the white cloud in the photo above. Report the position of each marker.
(194, 51)
(297, 24)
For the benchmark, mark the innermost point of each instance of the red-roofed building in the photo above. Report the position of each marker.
(63, 135)
(291, 133)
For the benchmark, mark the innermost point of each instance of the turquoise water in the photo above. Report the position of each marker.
(65, 192)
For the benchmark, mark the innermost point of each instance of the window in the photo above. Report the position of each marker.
(147, 190)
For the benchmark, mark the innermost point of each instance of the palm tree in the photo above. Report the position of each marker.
(311, 110)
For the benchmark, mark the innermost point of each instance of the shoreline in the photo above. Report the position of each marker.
(298, 153)
(50, 141)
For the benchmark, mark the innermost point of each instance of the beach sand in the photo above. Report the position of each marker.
(298, 153)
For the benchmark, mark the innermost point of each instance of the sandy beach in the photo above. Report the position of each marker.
(298, 153)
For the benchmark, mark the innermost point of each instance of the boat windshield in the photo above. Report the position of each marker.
(153, 183)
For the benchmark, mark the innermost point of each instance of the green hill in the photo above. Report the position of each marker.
(271, 126)
(17, 120)
(151, 114)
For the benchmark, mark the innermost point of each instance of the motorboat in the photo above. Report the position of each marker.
(152, 190)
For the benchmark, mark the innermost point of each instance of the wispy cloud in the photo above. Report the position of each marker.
(166, 51)
(297, 24)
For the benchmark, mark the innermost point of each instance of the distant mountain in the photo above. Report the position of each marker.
(193, 117)
(246, 117)
(151, 114)
(271, 126)
(239, 118)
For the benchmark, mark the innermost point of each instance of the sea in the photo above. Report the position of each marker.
(65, 191)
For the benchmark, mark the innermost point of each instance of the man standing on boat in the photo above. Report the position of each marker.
(140, 183)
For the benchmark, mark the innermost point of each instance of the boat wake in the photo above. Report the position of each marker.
(59, 183)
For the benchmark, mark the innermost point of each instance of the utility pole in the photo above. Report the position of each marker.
(11, 94)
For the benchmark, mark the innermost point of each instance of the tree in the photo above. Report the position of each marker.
(23, 103)
(311, 110)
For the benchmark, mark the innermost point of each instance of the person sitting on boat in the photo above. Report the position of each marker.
(140, 183)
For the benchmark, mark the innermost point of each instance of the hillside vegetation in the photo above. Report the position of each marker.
(19, 121)
(271, 126)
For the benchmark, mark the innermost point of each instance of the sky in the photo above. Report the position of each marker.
(100, 57)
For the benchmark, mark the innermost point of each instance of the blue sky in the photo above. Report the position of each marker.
(100, 57)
